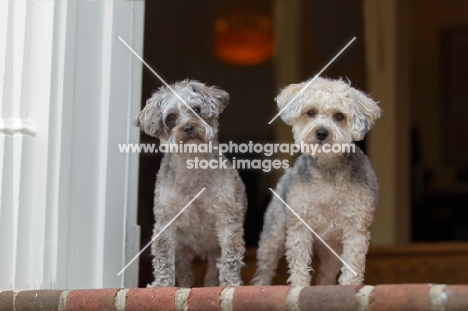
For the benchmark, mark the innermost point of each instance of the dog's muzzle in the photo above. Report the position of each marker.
(189, 129)
(189, 132)
(321, 134)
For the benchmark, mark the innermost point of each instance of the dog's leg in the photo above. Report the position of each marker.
(163, 250)
(184, 273)
(298, 252)
(230, 235)
(272, 243)
(355, 246)
(212, 273)
(329, 265)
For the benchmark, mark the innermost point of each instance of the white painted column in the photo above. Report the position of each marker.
(70, 89)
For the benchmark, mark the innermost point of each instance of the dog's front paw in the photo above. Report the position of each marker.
(301, 280)
(300, 284)
(351, 279)
(230, 284)
(260, 281)
(161, 283)
(234, 281)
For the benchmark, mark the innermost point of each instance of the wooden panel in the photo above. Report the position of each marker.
(444, 263)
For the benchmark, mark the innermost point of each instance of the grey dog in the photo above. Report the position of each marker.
(212, 226)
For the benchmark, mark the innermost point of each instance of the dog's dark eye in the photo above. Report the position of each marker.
(311, 113)
(197, 110)
(338, 116)
(170, 118)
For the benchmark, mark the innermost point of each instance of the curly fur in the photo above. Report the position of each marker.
(212, 226)
(335, 193)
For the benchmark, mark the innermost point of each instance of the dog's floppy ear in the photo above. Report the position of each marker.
(284, 98)
(215, 97)
(219, 97)
(366, 112)
(149, 119)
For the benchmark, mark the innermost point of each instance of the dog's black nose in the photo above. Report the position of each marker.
(321, 133)
(189, 129)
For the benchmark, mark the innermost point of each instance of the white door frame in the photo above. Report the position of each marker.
(68, 209)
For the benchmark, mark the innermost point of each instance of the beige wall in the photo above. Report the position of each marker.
(287, 16)
(388, 142)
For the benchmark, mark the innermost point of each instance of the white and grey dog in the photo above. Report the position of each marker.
(212, 225)
(335, 193)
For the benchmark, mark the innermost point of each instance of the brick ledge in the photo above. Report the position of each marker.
(373, 298)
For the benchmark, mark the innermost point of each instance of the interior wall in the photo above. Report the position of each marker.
(438, 82)
(328, 26)
(388, 141)
(428, 19)
(179, 44)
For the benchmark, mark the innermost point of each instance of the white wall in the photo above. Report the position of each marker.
(70, 89)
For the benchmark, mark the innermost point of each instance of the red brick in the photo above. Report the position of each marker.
(6, 300)
(146, 299)
(399, 297)
(260, 298)
(204, 299)
(92, 299)
(456, 297)
(333, 297)
(38, 300)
